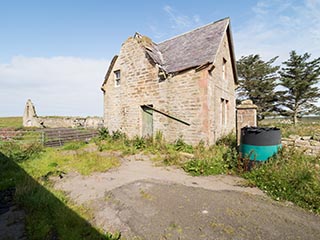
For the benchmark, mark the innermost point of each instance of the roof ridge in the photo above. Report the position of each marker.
(212, 23)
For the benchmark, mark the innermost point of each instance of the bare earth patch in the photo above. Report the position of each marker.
(147, 202)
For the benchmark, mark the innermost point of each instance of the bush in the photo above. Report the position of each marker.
(103, 133)
(290, 176)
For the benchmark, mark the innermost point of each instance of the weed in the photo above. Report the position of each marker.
(21, 152)
(181, 146)
(73, 145)
(139, 143)
(290, 176)
(118, 135)
(104, 133)
(217, 159)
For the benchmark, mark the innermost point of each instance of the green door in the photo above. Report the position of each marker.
(147, 121)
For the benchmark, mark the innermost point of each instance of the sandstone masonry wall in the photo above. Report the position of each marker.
(187, 96)
(221, 95)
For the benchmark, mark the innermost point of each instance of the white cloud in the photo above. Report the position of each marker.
(277, 27)
(57, 85)
(180, 21)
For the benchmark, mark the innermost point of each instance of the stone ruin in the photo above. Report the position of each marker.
(31, 119)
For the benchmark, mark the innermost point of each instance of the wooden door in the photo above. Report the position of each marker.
(147, 122)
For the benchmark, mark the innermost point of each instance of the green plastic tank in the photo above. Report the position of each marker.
(259, 144)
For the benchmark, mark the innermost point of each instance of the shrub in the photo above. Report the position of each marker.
(103, 133)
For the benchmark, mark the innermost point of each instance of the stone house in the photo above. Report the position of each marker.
(182, 87)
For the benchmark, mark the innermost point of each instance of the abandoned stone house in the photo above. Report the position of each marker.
(182, 87)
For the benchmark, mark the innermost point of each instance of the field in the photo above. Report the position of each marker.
(10, 122)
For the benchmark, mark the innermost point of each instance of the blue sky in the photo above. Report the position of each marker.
(57, 52)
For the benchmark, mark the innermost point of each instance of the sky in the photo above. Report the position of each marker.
(56, 53)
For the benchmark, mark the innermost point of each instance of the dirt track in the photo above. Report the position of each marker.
(147, 202)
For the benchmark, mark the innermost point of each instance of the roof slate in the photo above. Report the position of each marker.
(191, 49)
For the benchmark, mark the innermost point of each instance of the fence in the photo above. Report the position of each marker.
(52, 137)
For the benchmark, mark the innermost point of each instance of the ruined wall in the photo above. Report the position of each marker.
(31, 119)
(183, 96)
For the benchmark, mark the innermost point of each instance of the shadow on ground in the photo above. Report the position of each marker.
(29, 211)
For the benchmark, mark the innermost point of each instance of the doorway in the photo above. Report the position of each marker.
(147, 121)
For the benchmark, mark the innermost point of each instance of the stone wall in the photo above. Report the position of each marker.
(221, 94)
(31, 119)
(246, 116)
(188, 104)
(310, 145)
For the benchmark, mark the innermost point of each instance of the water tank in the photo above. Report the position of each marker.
(258, 143)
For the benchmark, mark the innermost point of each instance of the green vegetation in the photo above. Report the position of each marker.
(11, 122)
(257, 81)
(290, 176)
(298, 78)
(50, 214)
(217, 159)
(197, 160)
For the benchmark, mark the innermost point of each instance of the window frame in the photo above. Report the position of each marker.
(117, 78)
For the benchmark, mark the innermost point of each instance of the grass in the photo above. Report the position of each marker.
(290, 176)
(50, 214)
(10, 122)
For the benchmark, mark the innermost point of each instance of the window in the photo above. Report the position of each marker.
(224, 72)
(117, 78)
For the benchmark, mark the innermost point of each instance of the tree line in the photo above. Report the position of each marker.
(290, 90)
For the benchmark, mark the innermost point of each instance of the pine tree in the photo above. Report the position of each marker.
(257, 81)
(299, 77)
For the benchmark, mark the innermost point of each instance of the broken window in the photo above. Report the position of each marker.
(224, 112)
(117, 78)
(224, 72)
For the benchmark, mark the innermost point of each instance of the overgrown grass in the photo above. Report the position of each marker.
(10, 122)
(217, 159)
(50, 214)
(290, 176)
(197, 160)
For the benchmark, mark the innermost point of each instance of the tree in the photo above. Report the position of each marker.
(257, 81)
(299, 77)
